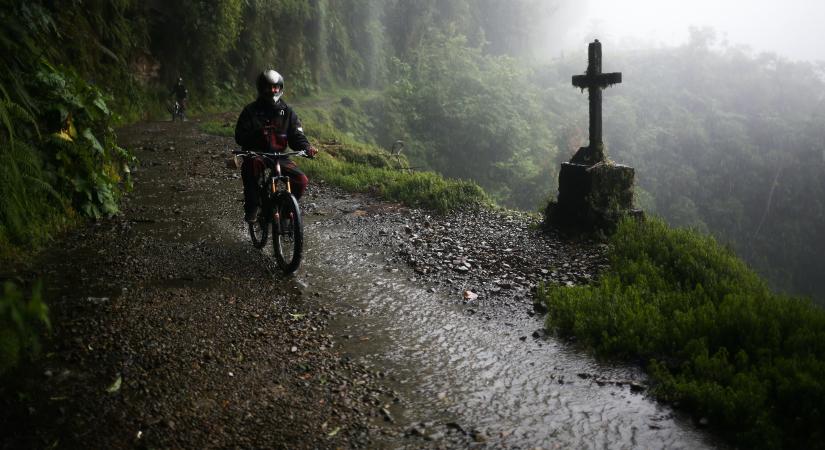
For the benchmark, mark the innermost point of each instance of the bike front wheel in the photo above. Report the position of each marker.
(288, 234)
(259, 230)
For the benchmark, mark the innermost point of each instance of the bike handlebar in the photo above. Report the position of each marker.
(271, 155)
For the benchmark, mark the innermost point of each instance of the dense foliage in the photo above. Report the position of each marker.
(60, 158)
(472, 116)
(716, 339)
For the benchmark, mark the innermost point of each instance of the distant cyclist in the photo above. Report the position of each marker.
(181, 94)
(269, 125)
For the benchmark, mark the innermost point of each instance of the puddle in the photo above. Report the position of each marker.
(458, 371)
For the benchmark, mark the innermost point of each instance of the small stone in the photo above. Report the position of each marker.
(470, 295)
(434, 436)
(387, 416)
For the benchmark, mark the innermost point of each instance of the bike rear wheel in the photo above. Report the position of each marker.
(288, 234)
(259, 231)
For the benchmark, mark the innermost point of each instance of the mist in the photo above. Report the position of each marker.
(792, 28)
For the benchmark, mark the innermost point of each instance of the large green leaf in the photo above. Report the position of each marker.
(87, 133)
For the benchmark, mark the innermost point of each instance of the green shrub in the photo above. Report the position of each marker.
(714, 337)
(21, 320)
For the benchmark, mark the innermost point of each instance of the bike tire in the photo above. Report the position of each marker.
(259, 231)
(288, 234)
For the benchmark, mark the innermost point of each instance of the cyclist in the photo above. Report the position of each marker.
(181, 94)
(269, 125)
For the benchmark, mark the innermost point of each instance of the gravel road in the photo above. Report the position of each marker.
(172, 331)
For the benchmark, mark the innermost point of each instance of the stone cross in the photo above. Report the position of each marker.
(594, 81)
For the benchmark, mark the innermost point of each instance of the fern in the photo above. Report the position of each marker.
(22, 319)
(23, 189)
(12, 195)
(5, 116)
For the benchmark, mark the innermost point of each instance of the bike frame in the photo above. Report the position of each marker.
(178, 110)
(277, 199)
(275, 180)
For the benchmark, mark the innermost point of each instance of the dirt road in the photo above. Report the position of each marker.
(402, 328)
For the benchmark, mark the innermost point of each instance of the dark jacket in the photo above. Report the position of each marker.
(283, 128)
(180, 91)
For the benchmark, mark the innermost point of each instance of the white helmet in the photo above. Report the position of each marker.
(266, 79)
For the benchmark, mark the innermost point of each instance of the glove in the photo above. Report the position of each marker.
(311, 151)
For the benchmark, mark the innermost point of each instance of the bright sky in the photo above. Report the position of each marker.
(792, 28)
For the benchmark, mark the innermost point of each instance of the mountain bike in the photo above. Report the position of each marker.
(279, 211)
(177, 109)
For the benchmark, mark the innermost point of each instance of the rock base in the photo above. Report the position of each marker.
(592, 197)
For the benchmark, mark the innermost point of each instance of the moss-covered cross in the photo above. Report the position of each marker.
(594, 81)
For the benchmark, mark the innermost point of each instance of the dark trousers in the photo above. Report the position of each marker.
(252, 173)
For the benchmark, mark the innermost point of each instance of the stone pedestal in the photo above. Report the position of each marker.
(592, 196)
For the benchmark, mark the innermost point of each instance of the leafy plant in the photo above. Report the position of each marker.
(90, 166)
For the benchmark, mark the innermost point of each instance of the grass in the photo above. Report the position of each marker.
(417, 189)
(218, 128)
(714, 338)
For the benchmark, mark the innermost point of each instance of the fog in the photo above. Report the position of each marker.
(792, 28)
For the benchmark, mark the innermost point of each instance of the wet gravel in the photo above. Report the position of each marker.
(492, 258)
(172, 332)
